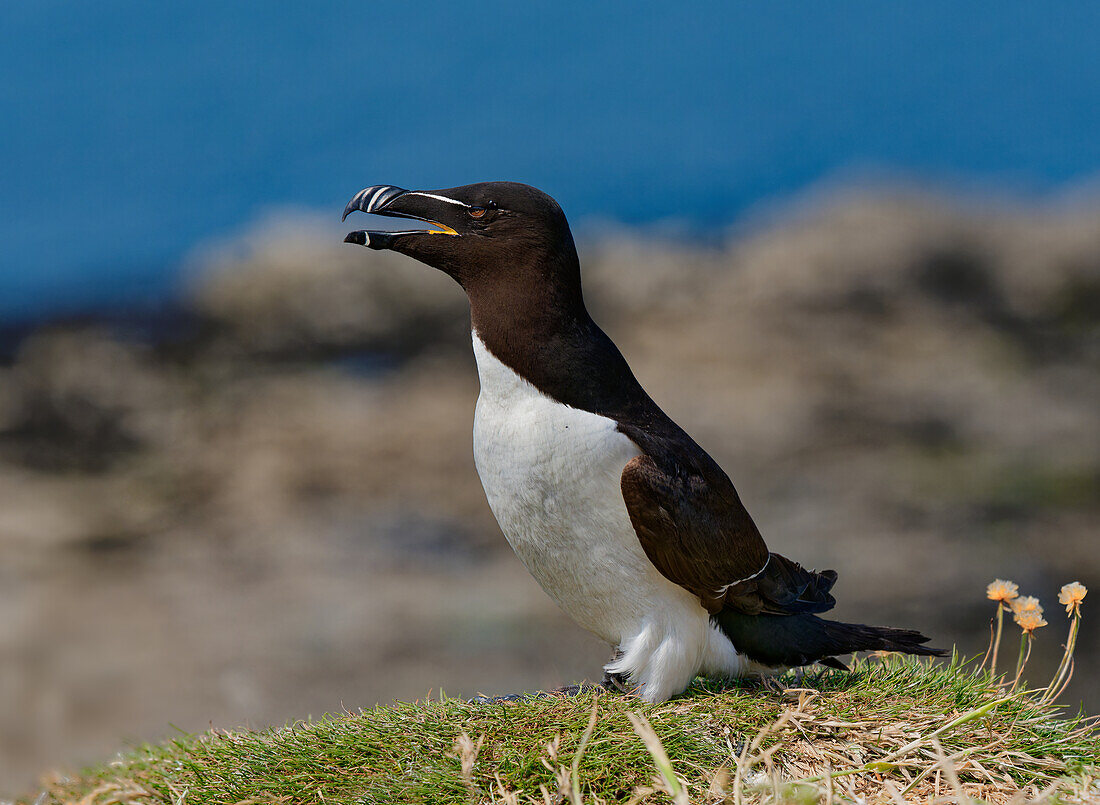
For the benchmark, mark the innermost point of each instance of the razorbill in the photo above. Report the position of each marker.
(620, 516)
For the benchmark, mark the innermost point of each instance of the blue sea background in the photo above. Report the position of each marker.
(130, 132)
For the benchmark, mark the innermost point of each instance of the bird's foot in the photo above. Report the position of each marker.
(574, 690)
(773, 684)
(567, 690)
(616, 682)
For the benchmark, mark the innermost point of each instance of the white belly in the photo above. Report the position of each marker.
(552, 477)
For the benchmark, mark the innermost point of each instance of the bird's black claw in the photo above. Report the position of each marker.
(616, 682)
(573, 690)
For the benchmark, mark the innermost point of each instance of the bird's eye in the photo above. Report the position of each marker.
(477, 212)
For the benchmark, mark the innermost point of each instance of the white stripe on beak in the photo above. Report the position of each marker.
(374, 197)
(437, 198)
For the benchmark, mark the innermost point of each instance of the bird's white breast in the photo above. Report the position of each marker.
(552, 478)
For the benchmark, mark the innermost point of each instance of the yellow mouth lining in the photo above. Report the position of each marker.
(443, 229)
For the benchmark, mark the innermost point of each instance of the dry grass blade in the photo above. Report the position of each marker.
(660, 758)
(467, 757)
(954, 724)
(948, 766)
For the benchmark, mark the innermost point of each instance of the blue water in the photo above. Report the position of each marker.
(132, 131)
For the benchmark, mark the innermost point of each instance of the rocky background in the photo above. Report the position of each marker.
(261, 505)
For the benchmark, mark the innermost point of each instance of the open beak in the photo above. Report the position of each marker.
(393, 202)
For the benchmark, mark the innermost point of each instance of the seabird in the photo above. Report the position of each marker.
(625, 522)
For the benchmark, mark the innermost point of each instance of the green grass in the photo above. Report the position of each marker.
(868, 733)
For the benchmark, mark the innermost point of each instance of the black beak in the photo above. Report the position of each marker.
(378, 200)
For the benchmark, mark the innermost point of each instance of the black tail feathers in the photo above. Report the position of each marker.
(794, 640)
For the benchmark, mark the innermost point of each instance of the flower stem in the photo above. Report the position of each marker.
(1025, 654)
(997, 639)
(1063, 667)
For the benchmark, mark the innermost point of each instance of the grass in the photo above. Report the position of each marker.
(895, 729)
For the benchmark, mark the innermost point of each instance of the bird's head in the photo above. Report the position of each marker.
(488, 233)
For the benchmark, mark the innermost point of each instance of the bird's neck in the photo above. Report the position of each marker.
(532, 300)
(542, 331)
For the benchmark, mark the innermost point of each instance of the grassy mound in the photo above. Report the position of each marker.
(893, 730)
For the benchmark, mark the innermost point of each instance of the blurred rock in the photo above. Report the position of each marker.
(77, 400)
(291, 288)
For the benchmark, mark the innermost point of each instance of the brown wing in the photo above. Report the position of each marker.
(695, 532)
